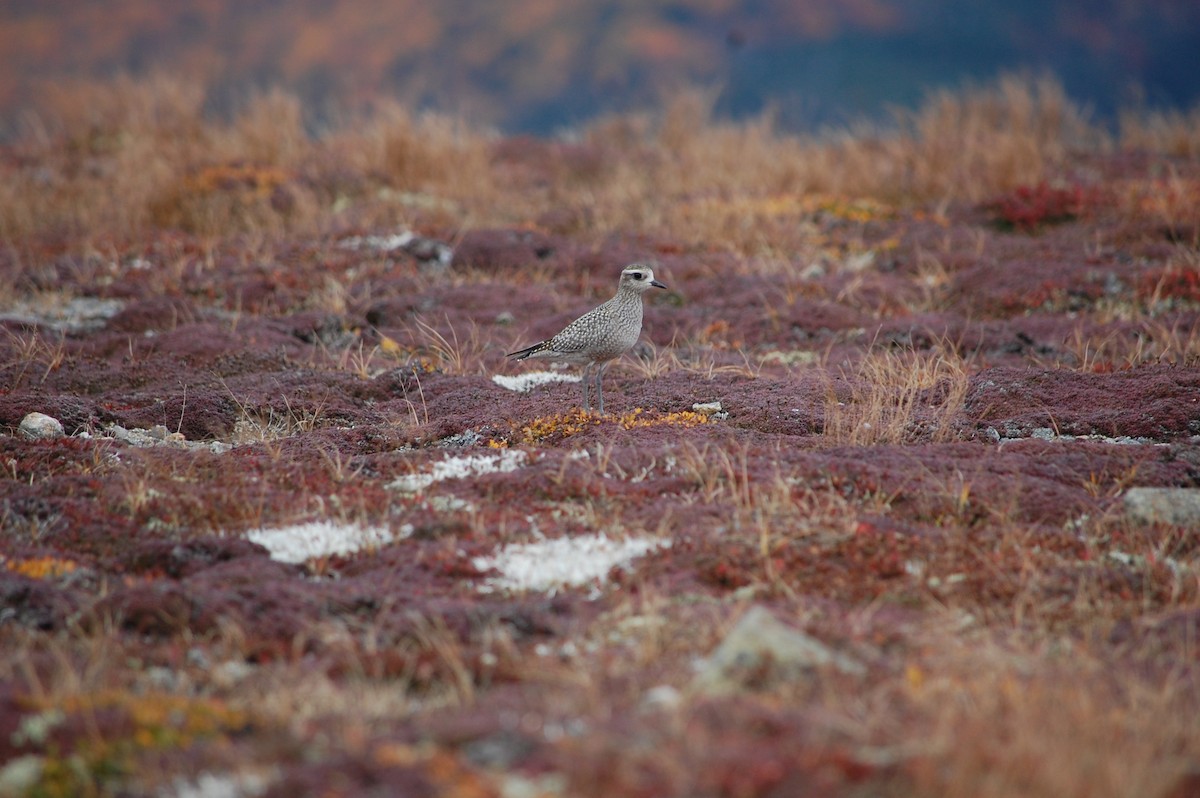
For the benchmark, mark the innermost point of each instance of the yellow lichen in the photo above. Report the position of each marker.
(557, 425)
(639, 418)
(158, 722)
(41, 567)
(565, 425)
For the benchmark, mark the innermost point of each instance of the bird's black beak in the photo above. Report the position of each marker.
(657, 284)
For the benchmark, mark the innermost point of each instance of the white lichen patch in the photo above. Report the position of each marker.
(302, 542)
(427, 250)
(547, 565)
(77, 314)
(450, 504)
(524, 383)
(381, 243)
(461, 468)
(221, 785)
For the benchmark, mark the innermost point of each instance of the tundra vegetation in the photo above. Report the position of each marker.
(296, 538)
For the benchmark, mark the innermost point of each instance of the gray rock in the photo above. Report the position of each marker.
(159, 435)
(662, 697)
(229, 673)
(82, 314)
(711, 409)
(1177, 506)
(20, 775)
(761, 649)
(39, 426)
(501, 750)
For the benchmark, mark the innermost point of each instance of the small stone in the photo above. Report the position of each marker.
(117, 432)
(707, 408)
(519, 785)
(162, 678)
(501, 750)
(20, 775)
(158, 431)
(662, 697)
(39, 426)
(761, 650)
(231, 672)
(198, 658)
(1175, 506)
(219, 785)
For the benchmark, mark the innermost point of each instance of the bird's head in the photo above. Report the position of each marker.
(639, 277)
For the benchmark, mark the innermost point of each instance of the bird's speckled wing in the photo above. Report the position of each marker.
(582, 333)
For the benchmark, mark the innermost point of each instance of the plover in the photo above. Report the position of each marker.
(602, 334)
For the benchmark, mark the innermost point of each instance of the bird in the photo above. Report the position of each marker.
(602, 334)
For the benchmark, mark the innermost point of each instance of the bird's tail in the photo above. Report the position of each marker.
(521, 354)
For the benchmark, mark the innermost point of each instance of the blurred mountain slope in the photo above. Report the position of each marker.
(534, 65)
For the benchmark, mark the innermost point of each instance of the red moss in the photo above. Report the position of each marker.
(985, 523)
(182, 559)
(1143, 402)
(502, 250)
(1170, 283)
(1030, 208)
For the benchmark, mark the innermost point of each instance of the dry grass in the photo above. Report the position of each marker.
(1173, 133)
(359, 359)
(1153, 326)
(123, 157)
(105, 151)
(692, 358)
(268, 425)
(745, 187)
(973, 145)
(996, 730)
(450, 352)
(1170, 201)
(30, 357)
(417, 153)
(896, 397)
(1152, 341)
(998, 702)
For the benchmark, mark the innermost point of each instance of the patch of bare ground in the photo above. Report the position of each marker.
(855, 524)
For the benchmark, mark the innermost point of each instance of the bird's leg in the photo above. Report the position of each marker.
(587, 408)
(600, 386)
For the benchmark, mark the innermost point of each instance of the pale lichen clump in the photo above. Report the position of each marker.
(299, 543)
(546, 565)
(461, 468)
(524, 383)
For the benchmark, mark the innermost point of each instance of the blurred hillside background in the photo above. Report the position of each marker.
(537, 66)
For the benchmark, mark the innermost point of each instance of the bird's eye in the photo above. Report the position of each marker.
(637, 275)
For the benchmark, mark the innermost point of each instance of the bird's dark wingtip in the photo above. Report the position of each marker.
(521, 354)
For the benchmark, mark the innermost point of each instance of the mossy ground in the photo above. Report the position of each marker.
(942, 361)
